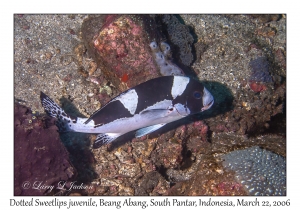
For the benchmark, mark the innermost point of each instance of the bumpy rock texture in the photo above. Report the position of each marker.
(40, 159)
(241, 59)
(120, 46)
(180, 37)
(260, 171)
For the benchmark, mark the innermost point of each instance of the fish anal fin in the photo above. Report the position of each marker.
(104, 138)
(146, 130)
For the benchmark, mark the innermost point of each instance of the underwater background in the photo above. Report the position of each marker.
(238, 147)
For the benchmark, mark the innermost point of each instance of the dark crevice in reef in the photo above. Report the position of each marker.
(78, 145)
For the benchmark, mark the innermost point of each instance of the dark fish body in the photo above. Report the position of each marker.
(145, 108)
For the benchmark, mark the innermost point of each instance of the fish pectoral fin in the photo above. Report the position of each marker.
(146, 130)
(104, 138)
(155, 113)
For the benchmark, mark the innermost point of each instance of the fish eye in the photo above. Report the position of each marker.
(197, 95)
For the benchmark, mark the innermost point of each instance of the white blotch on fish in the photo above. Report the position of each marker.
(144, 108)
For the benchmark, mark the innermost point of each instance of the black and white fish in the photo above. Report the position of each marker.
(145, 108)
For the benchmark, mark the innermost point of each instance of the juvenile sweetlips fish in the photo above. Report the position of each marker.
(144, 108)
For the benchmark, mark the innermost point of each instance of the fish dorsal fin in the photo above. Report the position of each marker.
(146, 130)
(104, 138)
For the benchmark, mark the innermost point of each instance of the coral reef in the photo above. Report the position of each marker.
(41, 159)
(251, 113)
(125, 48)
(120, 46)
(261, 172)
(205, 166)
(121, 49)
(127, 170)
(234, 56)
(146, 166)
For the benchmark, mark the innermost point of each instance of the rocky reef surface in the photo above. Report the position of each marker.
(83, 61)
(40, 158)
(261, 172)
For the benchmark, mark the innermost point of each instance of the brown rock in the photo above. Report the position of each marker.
(40, 159)
(120, 46)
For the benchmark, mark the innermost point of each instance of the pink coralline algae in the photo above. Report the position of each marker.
(129, 49)
(202, 128)
(122, 45)
(257, 86)
(227, 188)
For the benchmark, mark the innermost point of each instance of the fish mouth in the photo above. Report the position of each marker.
(208, 100)
(207, 106)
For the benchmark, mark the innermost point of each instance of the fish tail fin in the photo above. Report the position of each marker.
(64, 121)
